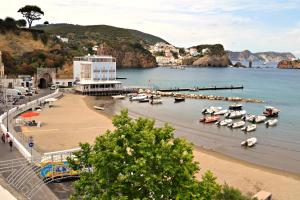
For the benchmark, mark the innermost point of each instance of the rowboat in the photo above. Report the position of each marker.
(138, 97)
(156, 101)
(236, 107)
(118, 97)
(238, 124)
(179, 99)
(249, 128)
(210, 119)
(221, 112)
(249, 142)
(98, 108)
(271, 122)
(249, 118)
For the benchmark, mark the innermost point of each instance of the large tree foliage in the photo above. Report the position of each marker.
(137, 161)
(31, 13)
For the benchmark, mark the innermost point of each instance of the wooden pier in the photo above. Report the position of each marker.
(202, 88)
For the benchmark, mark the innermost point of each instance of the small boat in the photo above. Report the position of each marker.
(249, 128)
(221, 112)
(271, 122)
(271, 112)
(98, 108)
(210, 119)
(179, 99)
(211, 110)
(236, 107)
(238, 124)
(260, 119)
(235, 114)
(138, 97)
(155, 96)
(118, 97)
(249, 118)
(156, 101)
(224, 122)
(249, 142)
(144, 100)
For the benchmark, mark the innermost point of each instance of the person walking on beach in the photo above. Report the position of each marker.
(3, 138)
(10, 144)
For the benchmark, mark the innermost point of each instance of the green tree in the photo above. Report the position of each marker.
(230, 193)
(136, 161)
(21, 23)
(31, 13)
(209, 189)
(10, 23)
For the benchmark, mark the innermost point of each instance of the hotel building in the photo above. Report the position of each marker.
(96, 75)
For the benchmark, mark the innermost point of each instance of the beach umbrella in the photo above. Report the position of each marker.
(29, 114)
(50, 100)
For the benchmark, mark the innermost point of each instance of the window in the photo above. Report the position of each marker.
(85, 71)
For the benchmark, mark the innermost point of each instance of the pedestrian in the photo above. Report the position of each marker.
(10, 144)
(7, 136)
(3, 138)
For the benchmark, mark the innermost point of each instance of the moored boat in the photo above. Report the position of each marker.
(249, 128)
(236, 107)
(156, 101)
(118, 97)
(210, 119)
(224, 122)
(238, 124)
(260, 119)
(221, 112)
(235, 114)
(271, 111)
(211, 110)
(138, 97)
(271, 122)
(249, 142)
(249, 118)
(179, 99)
(144, 100)
(98, 108)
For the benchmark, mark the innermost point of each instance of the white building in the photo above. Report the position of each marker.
(95, 75)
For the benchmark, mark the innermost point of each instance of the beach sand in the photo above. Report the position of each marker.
(66, 124)
(73, 120)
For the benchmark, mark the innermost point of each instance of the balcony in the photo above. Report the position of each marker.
(97, 70)
(104, 70)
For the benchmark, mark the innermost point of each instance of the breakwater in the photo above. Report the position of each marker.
(201, 88)
(199, 96)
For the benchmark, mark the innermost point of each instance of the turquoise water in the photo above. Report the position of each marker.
(277, 147)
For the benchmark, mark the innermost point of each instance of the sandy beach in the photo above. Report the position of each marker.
(73, 120)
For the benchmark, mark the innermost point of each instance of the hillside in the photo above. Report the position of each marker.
(270, 56)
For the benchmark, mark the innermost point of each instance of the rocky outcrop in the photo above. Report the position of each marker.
(129, 55)
(288, 64)
(212, 61)
(270, 56)
(239, 64)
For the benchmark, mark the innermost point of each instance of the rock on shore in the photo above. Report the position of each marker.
(129, 55)
(289, 64)
(213, 61)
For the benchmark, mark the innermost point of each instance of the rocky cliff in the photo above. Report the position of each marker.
(288, 64)
(129, 55)
(212, 61)
(260, 56)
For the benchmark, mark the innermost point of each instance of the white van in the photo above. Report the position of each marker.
(23, 90)
(17, 94)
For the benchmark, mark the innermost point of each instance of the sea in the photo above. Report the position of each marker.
(278, 147)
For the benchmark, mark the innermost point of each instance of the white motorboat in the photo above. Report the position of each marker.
(249, 128)
(235, 114)
(249, 118)
(138, 97)
(156, 101)
(238, 124)
(249, 142)
(221, 112)
(271, 112)
(118, 97)
(224, 122)
(211, 110)
(271, 122)
(236, 107)
(260, 119)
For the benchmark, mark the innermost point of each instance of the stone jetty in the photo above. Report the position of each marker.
(199, 96)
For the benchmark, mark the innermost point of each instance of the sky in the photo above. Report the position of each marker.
(257, 25)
